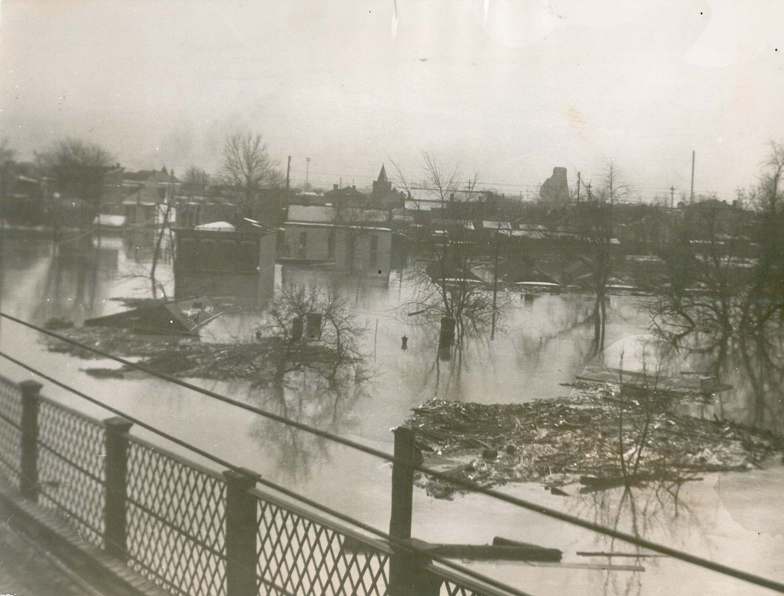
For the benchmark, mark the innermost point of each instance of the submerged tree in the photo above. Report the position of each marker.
(448, 292)
(595, 228)
(723, 303)
(318, 371)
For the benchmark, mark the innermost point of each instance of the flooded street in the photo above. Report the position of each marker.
(542, 342)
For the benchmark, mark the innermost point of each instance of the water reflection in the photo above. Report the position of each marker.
(658, 509)
(67, 278)
(739, 341)
(319, 372)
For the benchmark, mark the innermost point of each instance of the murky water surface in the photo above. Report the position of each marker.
(542, 341)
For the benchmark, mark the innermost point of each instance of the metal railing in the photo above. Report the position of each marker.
(176, 521)
(196, 532)
(409, 558)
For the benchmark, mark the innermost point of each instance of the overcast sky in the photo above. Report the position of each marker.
(507, 89)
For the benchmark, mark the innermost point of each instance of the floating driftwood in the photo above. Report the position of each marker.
(596, 439)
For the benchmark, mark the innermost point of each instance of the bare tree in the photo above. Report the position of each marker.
(79, 168)
(247, 165)
(74, 153)
(196, 180)
(723, 303)
(335, 354)
(594, 220)
(448, 293)
(440, 181)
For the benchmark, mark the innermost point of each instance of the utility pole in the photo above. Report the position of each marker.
(672, 197)
(691, 194)
(578, 186)
(495, 285)
(307, 173)
(288, 173)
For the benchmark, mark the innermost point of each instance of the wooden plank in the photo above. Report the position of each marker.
(617, 554)
(490, 552)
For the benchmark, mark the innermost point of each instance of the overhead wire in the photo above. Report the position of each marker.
(464, 484)
(258, 478)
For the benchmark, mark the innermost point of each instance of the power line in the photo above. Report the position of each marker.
(259, 479)
(464, 484)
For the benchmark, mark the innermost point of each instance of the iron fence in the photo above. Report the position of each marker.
(189, 529)
(302, 552)
(176, 519)
(10, 430)
(70, 466)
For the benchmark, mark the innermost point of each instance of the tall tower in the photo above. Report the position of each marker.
(381, 185)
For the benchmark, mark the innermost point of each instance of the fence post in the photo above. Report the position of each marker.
(406, 568)
(116, 471)
(28, 466)
(241, 526)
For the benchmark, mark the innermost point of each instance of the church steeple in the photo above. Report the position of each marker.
(382, 185)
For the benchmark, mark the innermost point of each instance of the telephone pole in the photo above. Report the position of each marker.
(672, 197)
(495, 283)
(288, 173)
(307, 173)
(691, 194)
(578, 186)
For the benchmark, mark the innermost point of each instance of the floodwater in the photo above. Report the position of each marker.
(541, 342)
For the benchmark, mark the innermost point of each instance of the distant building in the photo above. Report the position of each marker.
(556, 188)
(381, 186)
(220, 260)
(21, 193)
(362, 250)
(313, 234)
(138, 195)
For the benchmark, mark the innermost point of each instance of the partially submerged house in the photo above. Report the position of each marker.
(219, 260)
(317, 234)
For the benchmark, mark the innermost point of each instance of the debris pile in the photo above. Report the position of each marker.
(186, 356)
(598, 437)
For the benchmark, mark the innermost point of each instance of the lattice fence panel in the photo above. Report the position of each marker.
(297, 555)
(10, 435)
(71, 467)
(451, 588)
(176, 522)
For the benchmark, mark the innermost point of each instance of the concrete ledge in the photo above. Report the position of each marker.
(102, 573)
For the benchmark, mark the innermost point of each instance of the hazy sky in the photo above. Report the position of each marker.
(507, 89)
